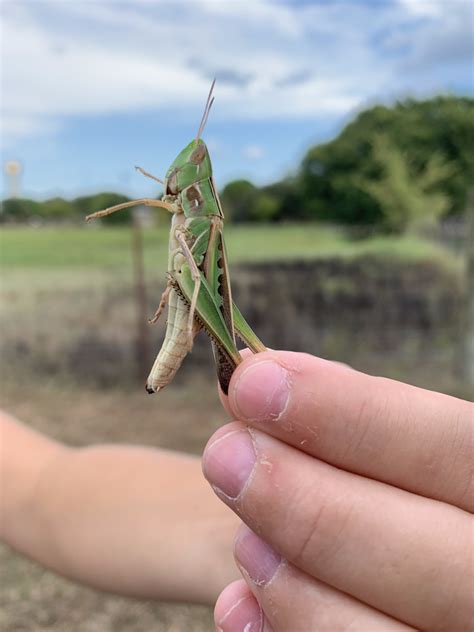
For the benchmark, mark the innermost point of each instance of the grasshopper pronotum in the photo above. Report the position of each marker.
(198, 289)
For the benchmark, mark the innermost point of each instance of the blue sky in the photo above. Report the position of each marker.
(91, 88)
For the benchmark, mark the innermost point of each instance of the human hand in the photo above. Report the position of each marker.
(80, 512)
(360, 491)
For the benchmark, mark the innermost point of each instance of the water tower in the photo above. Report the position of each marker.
(13, 170)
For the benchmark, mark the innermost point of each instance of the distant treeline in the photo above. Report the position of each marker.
(58, 209)
(390, 168)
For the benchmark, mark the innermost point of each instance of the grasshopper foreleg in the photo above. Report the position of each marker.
(119, 207)
(196, 276)
(162, 304)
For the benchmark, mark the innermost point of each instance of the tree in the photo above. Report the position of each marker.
(239, 200)
(91, 203)
(20, 209)
(406, 197)
(266, 207)
(287, 200)
(330, 174)
(57, 208)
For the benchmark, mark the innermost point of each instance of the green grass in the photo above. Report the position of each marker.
(109, 248)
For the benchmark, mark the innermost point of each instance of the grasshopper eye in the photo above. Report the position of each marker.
(172, 185)
(198, 154)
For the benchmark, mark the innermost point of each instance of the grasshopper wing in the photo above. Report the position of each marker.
(245, 332)
(209, 316)
(217, 274)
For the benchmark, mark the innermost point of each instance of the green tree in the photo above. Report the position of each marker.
(266, 207)
(57, 208)
(19, 210)
(88, 204)
(239, 199)
(406, 198)
(287, 200)
(244, 202)
(331, 173)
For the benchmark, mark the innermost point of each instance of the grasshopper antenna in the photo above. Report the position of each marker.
(148, 175)
(207, 109)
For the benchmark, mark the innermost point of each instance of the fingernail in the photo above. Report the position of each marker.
(256, 557)
(243, 616)
(261, 392)
(229, 461)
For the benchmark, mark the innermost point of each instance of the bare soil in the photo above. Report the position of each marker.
(35, 600)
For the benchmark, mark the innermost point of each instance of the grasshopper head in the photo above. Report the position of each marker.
(192, 165)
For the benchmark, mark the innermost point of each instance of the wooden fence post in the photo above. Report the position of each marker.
(467, 336)
(142, 343)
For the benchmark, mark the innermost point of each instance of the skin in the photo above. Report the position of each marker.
(356, 493)
(131, 520)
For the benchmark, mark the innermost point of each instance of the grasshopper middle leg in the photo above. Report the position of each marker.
(162, 304)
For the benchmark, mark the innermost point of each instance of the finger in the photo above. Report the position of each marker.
(418, 440)
(397, 552)
(247, 353)
(292, 600)
(237, 610)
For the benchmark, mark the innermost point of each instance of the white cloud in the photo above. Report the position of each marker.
(63, 59)
(253, 152)
(439, 48)
(425, 8)
(18, 126)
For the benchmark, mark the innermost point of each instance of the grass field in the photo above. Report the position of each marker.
(97, 246)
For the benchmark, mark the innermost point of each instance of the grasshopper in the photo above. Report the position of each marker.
(198, 291)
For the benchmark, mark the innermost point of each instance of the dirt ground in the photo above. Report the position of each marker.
(35, 600)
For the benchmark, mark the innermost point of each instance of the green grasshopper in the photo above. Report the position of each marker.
(198, 290)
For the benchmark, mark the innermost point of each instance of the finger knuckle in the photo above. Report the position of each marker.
(323, 532)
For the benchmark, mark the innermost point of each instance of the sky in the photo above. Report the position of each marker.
(92, 88)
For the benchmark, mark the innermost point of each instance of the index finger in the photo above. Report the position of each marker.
(409, 437)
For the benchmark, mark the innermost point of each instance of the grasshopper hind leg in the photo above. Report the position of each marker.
(196, 276)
